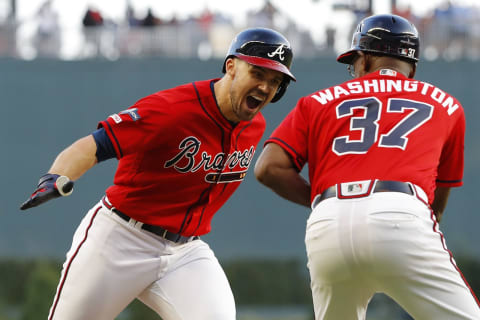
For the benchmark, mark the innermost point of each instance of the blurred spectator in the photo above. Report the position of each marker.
(173, 21)
(150, 19)
(265, 17)
(448, 32)
(8, 38)
(8, 33)
(330, 34)
(218, 38)
(405, 12)
(151, 37)
(47, 38)
(92, 23)
(205, 19)
(92, 18)
(130, 16)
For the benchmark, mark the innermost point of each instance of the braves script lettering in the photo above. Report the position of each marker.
(189, 151)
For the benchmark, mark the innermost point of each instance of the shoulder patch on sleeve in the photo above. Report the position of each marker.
(116, 118)
(133, 113)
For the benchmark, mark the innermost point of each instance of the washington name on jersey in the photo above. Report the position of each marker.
(387, 85)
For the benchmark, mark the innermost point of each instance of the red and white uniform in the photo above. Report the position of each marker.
(426, 133)
(173, 147)
(180, 159)
(382, 126)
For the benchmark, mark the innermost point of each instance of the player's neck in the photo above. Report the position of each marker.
(397, 65)
(223, 98)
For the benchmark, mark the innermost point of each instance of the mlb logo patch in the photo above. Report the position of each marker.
(354, 189)
(388, 72)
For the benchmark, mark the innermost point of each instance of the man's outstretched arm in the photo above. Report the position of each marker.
(275, 170)
(69, 165)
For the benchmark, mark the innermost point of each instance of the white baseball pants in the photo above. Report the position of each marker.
(386, 242)
(111, 262)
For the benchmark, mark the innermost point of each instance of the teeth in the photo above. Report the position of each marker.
(258, 98)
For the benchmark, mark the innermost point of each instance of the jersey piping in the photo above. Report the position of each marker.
(116, 144)
(188, 215)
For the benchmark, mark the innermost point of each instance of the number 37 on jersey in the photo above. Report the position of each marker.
(413, 115)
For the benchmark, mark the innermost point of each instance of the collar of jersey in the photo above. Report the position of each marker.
(377, 74)
(209, 103)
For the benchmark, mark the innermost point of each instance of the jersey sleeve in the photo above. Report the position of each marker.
(292, 135)
(450, 168)
(135, 128)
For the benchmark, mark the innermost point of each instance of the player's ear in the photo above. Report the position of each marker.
(364, 63)
(413, 71)
(230, 66)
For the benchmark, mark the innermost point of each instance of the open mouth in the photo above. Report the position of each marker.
(254, 101)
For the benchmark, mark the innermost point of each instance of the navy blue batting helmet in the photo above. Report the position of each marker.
(265, 48)
(384, 34)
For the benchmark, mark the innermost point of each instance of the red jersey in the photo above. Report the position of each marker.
(180, 159)
(381, 126)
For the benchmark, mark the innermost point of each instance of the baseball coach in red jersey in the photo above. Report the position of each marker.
(383, 151)
(182, 153)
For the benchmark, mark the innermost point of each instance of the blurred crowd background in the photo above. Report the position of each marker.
(449, 31)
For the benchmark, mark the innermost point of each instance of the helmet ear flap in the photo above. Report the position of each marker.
(282, 88)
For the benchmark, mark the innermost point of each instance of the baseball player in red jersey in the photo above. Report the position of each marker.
(182, 153)
(383, 151)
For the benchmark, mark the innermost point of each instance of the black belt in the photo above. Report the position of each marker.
(159, 231)
(380, 186)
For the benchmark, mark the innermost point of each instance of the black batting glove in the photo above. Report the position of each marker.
(50, 186)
